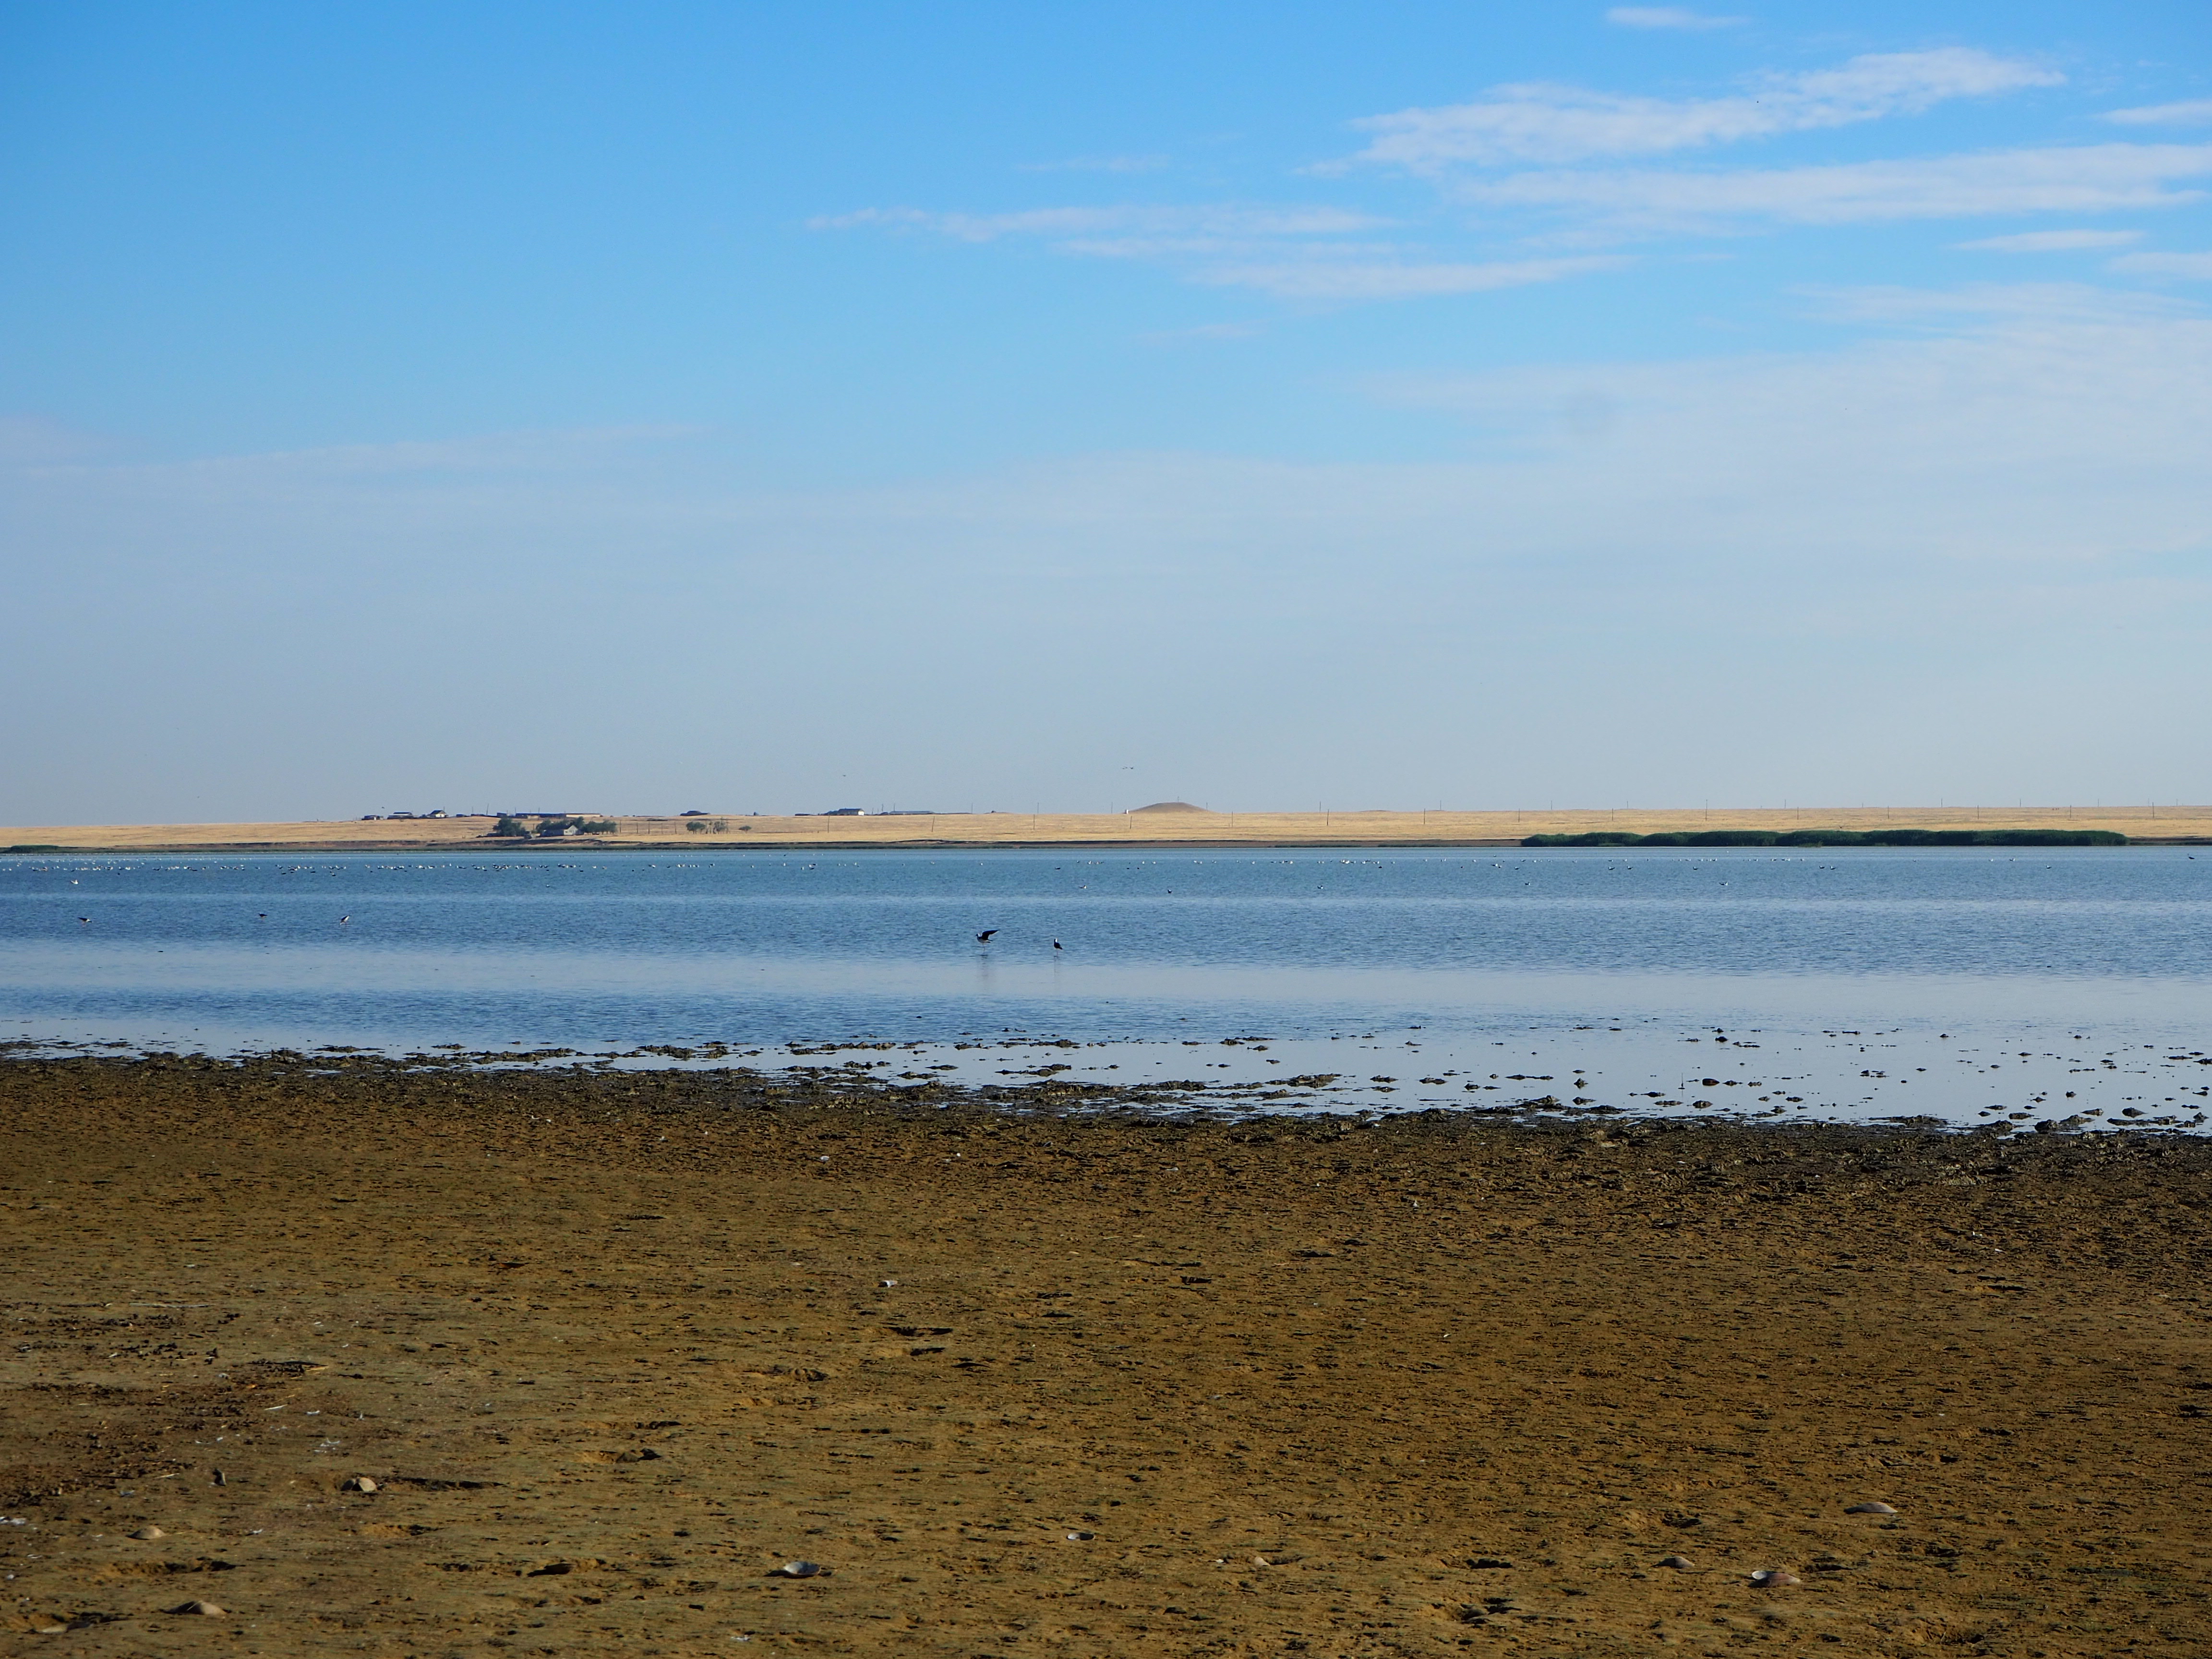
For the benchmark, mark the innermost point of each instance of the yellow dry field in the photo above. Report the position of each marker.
(1141, 827)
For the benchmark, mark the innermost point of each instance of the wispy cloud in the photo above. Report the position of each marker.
(2051, 241)
(2079, 178)
(1668, 17)
(1317, 279)
(1203, 331)
(1099, 164)
(2198, 266)
(1306, 253)
(2196, 112)
(1541, 122)
(2015, 306)
(1210, 221)
(1611, 167)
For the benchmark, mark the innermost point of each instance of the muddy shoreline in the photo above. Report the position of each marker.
(1032, 1368)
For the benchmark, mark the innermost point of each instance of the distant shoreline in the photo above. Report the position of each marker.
(2152, 825)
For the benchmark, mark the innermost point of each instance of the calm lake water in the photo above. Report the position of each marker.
(1958, 983)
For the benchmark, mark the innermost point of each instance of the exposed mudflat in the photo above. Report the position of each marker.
(614, 1347)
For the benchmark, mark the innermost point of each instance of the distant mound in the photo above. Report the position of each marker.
(1173, 806)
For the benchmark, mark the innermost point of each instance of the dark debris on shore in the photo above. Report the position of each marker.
(539, 1083)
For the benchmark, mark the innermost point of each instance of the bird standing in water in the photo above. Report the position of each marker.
(1057, 945)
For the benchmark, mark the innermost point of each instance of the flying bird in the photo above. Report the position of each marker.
(984, 937)
(344, 919)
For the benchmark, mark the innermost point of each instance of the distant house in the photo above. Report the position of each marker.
(846, 813)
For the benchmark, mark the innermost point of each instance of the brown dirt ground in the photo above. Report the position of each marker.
(614, 1346)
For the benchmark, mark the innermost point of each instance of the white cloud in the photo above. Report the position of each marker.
(1203, 331)
(1993, 307)
(2196, 265)
(1316, 279)
(1292, 253)
(1099, 164)
(1212, 221)
(2081, 178)
(2051, 241)
(1547, 123)
(2195, 113)
(1668, 17)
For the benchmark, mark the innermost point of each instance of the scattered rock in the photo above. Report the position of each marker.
(208, 1608)
(358, 1483)
(1869, 1509)
(1776, 1577)
(1681, 1563)
(799, 1570)
(147, 1535)
(1081, 1537)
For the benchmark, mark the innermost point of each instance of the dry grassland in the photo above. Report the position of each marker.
(1179, 829)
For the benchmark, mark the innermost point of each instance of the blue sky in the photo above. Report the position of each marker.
(779, 406)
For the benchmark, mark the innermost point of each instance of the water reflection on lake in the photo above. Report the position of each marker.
(2050, 983)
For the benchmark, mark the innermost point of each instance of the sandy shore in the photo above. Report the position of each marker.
(1136, 829)
(614, 1347)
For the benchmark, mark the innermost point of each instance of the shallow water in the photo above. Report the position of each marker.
(1956, 982)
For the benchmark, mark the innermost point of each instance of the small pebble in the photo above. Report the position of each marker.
(1081, 1537)
(1680, 1561)
(207, 1607)
(800, 1569)
(1776, 1577)
(147, 1535)
(360, 1483)
(1869, 1509)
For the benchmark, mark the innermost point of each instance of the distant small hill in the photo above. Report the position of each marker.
(1173, 807)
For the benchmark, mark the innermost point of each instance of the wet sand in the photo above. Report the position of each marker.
(614, 1347)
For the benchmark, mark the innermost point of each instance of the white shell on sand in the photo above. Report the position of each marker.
(1081, 1537)
(801, 1570)
(1869, 1509)
(1673, 1560)
(1776, 1577)
(147, 1535)
(360, 1483)
(206, 1608)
